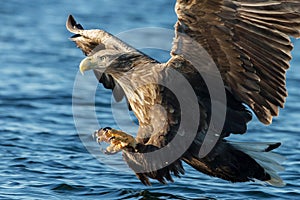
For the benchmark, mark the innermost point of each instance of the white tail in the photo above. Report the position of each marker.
(261, 153)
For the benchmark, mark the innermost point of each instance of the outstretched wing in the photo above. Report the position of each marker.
(249, 42)
(91, 41)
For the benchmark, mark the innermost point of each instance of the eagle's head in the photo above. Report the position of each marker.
(110, 61)
(102, 61)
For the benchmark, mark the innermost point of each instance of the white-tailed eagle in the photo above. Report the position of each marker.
(249, 43)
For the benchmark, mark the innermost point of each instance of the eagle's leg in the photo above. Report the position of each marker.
(118, 140)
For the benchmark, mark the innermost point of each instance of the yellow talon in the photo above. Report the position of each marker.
(118, 140)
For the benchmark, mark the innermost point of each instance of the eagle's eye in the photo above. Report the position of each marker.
(103, 58)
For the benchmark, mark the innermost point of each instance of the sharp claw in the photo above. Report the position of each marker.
(106, 128)
(94, 135)
(111, 138)
(101, 138)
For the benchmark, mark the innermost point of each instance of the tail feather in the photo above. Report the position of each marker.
(270, 161)
(241, 162)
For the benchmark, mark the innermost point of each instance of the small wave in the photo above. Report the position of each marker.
(67, 187)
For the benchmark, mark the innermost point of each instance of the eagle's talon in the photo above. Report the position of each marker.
(118, 140)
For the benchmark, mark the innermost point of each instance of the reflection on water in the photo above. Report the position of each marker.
(42, 155)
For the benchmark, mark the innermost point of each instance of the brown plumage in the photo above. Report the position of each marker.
(249, 43)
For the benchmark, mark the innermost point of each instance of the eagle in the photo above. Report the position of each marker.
(228, 62)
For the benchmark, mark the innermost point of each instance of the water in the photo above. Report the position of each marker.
(42, 155)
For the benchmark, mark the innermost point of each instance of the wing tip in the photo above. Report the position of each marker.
(72, 25)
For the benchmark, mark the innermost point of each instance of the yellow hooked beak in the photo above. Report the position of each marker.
(87, 64)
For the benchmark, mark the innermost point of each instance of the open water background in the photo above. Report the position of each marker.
(41, 154)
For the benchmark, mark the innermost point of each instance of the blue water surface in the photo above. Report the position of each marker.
(42, 155)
